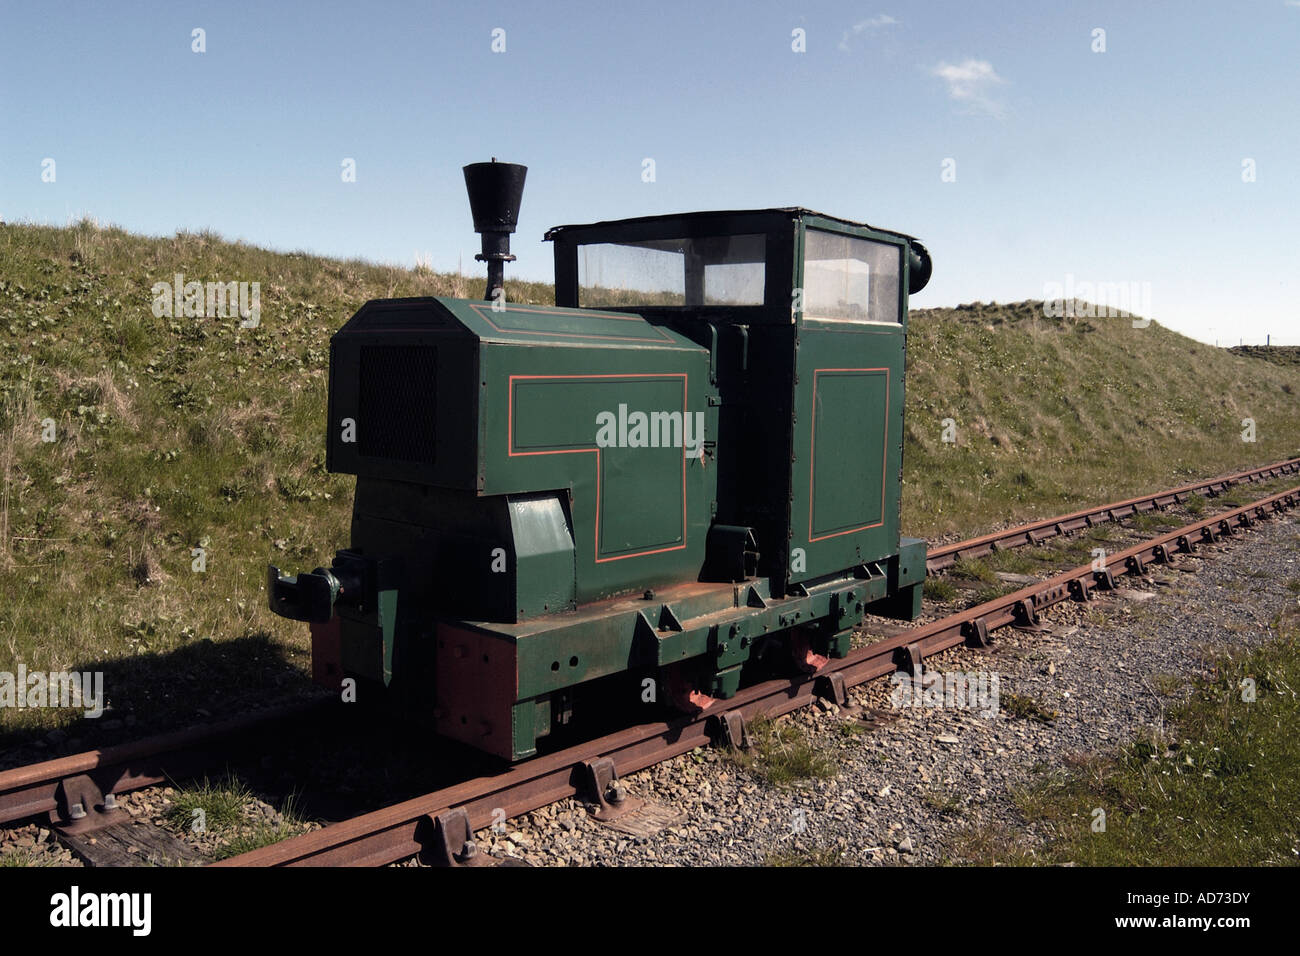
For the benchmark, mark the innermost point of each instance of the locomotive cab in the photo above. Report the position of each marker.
(805, 319)
(692, 459)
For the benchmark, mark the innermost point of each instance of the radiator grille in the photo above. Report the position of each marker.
(397, 404)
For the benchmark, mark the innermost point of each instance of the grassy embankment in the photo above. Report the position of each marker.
(180, 433)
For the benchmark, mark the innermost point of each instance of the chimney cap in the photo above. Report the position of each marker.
(495, 192)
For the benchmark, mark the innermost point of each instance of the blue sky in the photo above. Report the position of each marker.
(1123, 166)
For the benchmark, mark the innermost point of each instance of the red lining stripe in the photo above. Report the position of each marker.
(812, 456)
(511, 453)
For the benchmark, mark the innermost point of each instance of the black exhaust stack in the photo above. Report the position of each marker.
(495, 191)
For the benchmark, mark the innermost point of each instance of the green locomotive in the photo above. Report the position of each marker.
(690, 462)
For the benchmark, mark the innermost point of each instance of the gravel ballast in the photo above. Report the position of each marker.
(903, 791)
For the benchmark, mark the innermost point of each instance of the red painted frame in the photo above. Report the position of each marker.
(812, 456)
(511, 453)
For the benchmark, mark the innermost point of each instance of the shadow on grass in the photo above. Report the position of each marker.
(154, 692)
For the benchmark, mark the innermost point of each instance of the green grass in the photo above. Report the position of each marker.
(24, 857)
(1236, 496)
(939, 589)
(1026, 708)
(990, 593)
(1217, 791)
(940, 799)
(1154, 521)
(172, 434)
(254, 838)
(222, 804)
(853, 728)
(973, 569)
(1167, 685)
(1277, 354)
(1079, 550)
(1053, 400)
(1013, 561)
(264, 833)
(817, 856)
(176, 433)
(781, 754)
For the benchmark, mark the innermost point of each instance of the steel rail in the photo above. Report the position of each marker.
(34, 789)
(404, 829)
(31, 790)
(943, 556)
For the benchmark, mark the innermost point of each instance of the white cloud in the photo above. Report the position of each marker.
(971, 83)
(870, 26)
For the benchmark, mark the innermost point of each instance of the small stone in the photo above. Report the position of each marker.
(1011, 578)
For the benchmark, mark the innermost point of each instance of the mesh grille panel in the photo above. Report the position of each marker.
(397, 403)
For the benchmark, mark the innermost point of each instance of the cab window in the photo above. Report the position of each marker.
(847, 279)
(688, 272)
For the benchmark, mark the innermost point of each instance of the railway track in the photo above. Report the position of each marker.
(944, 556)
(84, 779)
(439, 827)
(70, 788)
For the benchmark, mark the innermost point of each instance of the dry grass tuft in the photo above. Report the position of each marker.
(145, 568)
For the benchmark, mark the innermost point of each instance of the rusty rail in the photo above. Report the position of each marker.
(407, 829)
(944, 556)
(34, 789)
